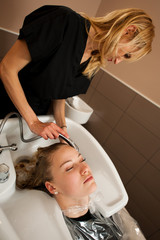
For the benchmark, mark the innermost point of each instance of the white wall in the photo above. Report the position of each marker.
(144, 75)
(12, 12)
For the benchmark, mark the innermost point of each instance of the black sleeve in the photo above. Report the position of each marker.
(43, 30)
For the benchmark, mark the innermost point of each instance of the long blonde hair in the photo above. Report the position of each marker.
(32, 173)
(110, 30)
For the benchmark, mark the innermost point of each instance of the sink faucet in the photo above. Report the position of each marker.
(12, 147)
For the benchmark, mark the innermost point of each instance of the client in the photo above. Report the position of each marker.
(62, 172)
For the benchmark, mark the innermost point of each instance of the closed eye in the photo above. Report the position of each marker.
(83, 160)
(70, 168)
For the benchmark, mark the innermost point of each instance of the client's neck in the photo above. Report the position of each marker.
(72, 207)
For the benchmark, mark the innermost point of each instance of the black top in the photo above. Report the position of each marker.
(56, 38)
(85, 217)
(93, 226)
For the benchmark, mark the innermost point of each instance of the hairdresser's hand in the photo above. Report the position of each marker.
(65, 130)
(47, 130)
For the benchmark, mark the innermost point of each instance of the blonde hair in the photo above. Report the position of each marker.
(110, 31)
(32, 173)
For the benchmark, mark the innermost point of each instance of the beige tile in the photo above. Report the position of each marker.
(146, 114)
(155, 160)
(105, 109)
(138, 137)
(114, 90)
(145, 224)
(97, 78)
(149, 176)
(98, 128)
(148, 204)
(123, 172)
(127, 155)
(155, 236)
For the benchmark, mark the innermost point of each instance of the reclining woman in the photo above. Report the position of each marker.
(62, 172)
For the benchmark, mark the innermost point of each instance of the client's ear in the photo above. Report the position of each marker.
(50, 187)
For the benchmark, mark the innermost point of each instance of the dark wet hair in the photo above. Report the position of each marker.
(32, 173)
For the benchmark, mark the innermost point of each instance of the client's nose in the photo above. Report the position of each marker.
(84, 169)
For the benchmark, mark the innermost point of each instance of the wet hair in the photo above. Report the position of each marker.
(110, 31)
(32, 173)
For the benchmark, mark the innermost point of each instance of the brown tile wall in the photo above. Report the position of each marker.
(128, 128)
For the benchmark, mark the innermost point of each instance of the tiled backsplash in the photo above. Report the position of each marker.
(128, 128)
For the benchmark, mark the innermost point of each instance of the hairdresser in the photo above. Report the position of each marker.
(57, 53)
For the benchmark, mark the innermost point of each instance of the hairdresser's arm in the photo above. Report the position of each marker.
(16, 59)
(59, 113)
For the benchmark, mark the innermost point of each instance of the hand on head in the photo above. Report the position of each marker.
(47, 130)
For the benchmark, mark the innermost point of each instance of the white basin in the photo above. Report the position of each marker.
(33, 214)
(8, 187)
(7, 232)
(77, 110)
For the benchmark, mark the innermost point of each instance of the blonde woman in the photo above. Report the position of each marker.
(57, 53)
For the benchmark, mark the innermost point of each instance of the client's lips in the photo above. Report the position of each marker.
(88, 179)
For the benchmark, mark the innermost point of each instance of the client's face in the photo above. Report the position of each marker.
(72, 176)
